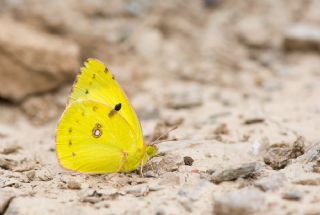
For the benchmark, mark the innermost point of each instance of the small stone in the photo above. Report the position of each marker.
(8, 183)
(259, 146)
(253, 121)
(173, 121)
(24, 166)
(91, 199)
(138, 190)
(196, 190)
(316, 167)
(186, 99)
(91, 196)
(31, 174)
(244, 171)
(17, 185)
(279, 155)
(44, 175)
(188, 160)
(211, 3)
(252, 31)
(312, 155)
(308, 181)
(222, 129)
(302, 37)
(298, 148)
(271, 183)
(292, 195)
(155, 187)
(240, 202)
(170, 179)
(7, 164)
(10, 149)
(73, 185)
(5, 198)
(150, 174)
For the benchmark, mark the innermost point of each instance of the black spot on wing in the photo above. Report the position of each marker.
(117, 107)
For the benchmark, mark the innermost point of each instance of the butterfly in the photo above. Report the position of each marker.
(99, 131)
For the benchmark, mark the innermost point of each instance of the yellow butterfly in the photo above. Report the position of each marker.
(99, 132)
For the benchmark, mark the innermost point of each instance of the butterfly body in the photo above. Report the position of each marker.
(99, 132)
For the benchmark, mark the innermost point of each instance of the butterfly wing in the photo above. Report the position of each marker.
(90, 139)
(96, 83)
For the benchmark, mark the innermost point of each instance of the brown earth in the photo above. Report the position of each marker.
(241, 79)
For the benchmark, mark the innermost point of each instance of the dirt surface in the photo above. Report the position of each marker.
(240, 79)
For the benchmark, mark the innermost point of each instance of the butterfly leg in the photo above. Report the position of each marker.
(123, 161)
(141, 169)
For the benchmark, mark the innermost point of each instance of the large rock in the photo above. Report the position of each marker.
(33, 61)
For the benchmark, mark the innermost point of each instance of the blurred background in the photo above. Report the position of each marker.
(167, 54)
(225, 70)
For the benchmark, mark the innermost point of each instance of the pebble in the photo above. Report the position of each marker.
(240, 202)
(271, 183)
(10, 149)
(302, 37)
(252, 31)
(150, 174)
(316, 167)
(170, 179)
(253, 121)
(73, 185)
(188, 160)
(231, 174)
(186, 99)
(7, 164)
(5, 198)
(155, 187)
(196, 191)
(44, 175)
(31, 174)
(308, 181)
(91, 199)
(279, 155)
(138, 190)
(222, 129)
(292, 195)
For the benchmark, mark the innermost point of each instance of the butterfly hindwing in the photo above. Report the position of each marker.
(90, 139)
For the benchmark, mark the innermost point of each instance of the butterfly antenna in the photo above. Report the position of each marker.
(162, 135)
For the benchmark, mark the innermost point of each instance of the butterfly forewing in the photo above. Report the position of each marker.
(96, 83)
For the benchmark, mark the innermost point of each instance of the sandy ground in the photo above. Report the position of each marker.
(247, 113)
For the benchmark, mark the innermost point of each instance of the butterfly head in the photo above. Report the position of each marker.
(151, 150)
